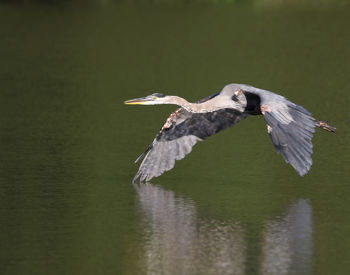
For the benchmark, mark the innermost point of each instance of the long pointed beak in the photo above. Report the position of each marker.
(138, 101)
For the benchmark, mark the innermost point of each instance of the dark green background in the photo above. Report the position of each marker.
(67, 142)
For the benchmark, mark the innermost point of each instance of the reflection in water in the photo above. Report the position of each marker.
(287, 244)
(177, 241)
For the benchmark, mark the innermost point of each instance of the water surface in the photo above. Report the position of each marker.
(67, 204)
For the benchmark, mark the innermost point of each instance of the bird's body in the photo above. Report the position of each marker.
(290, 126)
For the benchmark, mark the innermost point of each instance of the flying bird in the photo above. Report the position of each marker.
(290, 126)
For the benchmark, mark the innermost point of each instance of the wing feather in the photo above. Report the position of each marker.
(291, 129)
(182, 132)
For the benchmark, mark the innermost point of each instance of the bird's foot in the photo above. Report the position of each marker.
(325, 126)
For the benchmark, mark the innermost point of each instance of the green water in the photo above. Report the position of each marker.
(67, 143)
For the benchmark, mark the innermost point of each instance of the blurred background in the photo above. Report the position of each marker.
(233, 206)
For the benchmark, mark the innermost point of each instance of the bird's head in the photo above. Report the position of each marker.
(152, 99)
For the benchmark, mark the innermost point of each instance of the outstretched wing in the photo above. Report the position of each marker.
(290, 127)
(179, 134)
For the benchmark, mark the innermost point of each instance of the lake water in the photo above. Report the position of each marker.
(233, 206)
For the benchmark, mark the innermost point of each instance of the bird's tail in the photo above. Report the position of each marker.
(325, 126)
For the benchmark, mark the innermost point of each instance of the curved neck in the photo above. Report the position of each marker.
(210, 105)
(188, 106)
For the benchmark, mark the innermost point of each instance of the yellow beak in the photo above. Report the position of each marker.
(139, 101)
(132, 102)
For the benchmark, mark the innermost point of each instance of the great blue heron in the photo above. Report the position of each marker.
(289, 126)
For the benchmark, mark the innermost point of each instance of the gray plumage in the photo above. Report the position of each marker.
(289, 125)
